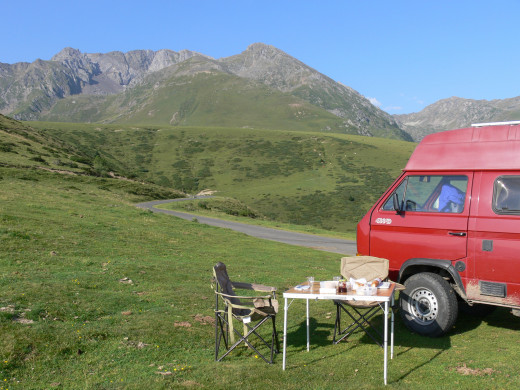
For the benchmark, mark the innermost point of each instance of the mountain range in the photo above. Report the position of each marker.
(262, 87)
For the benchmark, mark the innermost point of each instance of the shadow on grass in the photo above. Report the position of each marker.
(317, 332)
(404, 340)
(502, 318)
(320, 336)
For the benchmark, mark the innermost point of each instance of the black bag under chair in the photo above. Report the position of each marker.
(251, 311)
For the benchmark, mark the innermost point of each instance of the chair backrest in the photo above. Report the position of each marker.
(367, 267)
(223, 281)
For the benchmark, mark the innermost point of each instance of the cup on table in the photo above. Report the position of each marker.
(310, 279)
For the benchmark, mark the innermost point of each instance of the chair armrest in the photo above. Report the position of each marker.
(243, 297)
(253, 286)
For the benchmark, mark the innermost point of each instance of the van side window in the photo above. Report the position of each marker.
(506, 195)
(431, 193)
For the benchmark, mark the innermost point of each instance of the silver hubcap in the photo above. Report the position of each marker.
(424, 306)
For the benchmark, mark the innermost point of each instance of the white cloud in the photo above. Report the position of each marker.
(374, 101)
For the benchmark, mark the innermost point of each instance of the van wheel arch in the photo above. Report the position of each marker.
(443, 268)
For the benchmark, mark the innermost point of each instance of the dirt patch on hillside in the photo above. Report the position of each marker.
(206, 192)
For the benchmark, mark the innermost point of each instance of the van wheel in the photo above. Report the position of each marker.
(428, 305)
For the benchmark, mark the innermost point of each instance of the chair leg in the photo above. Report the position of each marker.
(370, 330)
(253, 331)
(221, 325)
(363, 318)
(221, 332)
(217, 336)
(243, 338)
(275, 333)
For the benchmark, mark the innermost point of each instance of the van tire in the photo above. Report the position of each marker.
(428, 305)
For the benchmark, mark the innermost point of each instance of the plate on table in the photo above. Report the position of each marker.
(384, 285)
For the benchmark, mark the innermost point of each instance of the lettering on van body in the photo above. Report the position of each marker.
(384, 221)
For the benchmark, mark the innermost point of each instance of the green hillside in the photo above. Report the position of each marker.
(30, 150)
(175, 96)
(211, 98)
(97, 294)
(328, 181)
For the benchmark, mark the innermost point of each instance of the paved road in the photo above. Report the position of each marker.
(335, 245)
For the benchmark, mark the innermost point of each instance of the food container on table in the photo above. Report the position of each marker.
(328, 287)
(366, 291)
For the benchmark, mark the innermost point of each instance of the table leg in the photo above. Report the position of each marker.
(385, 342)
(285, 308)
(392, 329)
(308, 336)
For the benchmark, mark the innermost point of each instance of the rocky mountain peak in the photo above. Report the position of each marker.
(456, 112)
(263, 50)
(66, 54)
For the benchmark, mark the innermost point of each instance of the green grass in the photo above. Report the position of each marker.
(232, 210)
(206, 98)
(301, 178)
(68, 244)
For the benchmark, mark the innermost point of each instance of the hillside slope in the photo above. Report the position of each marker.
(207, 98)
(30, 150)
(324, 180)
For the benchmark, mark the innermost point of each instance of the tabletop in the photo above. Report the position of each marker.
(383, 294)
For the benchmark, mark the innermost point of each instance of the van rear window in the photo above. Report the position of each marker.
(506, 195)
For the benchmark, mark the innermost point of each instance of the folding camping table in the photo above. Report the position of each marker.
(383, 296)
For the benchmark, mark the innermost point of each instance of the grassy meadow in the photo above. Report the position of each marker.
(99, 294)
(323, 180)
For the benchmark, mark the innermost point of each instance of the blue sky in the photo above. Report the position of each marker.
(403, 55)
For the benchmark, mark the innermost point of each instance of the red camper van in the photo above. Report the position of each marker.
(450, 226)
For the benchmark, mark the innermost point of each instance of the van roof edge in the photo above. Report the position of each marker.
(495, 124)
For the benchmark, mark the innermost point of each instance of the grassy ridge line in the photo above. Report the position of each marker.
(121, 298)
(327, 181)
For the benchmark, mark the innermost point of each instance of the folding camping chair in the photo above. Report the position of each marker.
(370, 268)
(251, 311)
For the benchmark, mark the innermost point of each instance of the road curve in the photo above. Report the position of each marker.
(327, 244)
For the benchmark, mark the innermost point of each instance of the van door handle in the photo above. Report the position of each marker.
(458, 234)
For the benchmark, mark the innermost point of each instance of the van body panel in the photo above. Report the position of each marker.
(419, 234)
(476, 149)
(495, 246)
(477, 247)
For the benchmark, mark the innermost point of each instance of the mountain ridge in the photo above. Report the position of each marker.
(455, 113)
(71, 73)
